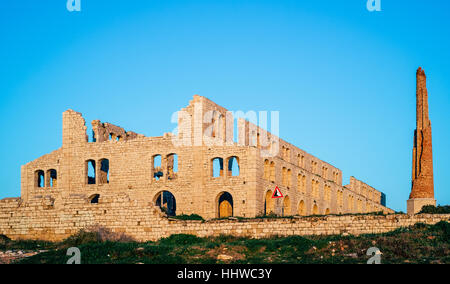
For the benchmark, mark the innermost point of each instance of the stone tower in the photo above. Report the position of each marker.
(422, 189)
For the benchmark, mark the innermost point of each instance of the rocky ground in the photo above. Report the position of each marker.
(11, 256)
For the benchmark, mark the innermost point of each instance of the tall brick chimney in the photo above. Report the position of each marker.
(422, 188)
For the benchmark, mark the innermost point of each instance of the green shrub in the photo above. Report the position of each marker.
(188, 217)
(181, 239)
(430, 209)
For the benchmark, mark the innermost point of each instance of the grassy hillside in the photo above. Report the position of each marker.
(418, 244)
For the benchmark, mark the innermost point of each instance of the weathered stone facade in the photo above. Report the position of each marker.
(121, 178)
(422, 188)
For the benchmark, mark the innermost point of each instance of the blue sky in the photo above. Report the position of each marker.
(342, 78)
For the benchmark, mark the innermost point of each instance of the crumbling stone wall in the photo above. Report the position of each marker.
(143, 221)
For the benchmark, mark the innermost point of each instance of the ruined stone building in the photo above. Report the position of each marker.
(119, 161)
(119, 178)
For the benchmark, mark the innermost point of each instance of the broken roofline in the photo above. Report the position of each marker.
(189, 124)
(215, 128)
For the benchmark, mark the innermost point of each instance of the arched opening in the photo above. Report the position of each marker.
(272, 171)
(268, 203)
(172, 166)
(327, 193)
(301, 208)
(350, 203)
(90, 169)
(359, 206)
(327, 211)
(93, 199)
(315, 210)
(233, 166)
(284, 176)
(287, 154)
(104, 171)
(289, 178)
(39, 178)
(225, 203)
(157, 169)
(266, 169)
(166, 201)
(217, 167)
(286, 206)
(51, 178)
(340, 198)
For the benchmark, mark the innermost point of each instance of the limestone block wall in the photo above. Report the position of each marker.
(40, 219)
(304, 226)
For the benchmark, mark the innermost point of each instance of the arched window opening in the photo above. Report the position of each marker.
(350, 203)
(272, 171)
(289, 178)
(284, 176)
(301, 160)
(266, 169)
(336, 177)
(166, 201)
(324, 172)
(104, 171)
(225, 203)
(39, 177)
(91, 173)
(233, 166)
(327, 211)
(315, 188)
(315, 210)
(172, 166)
(217, 167)
(93, 199)
(287, 154)
(359, 204)
(157, 169)
(52, 178)
(314, 167)
(327, 193)
(286, 206)
(268, 203)
(340, 198)
(302, 208)
(304, 184)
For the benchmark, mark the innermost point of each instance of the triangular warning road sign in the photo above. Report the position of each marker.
(277, 193)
